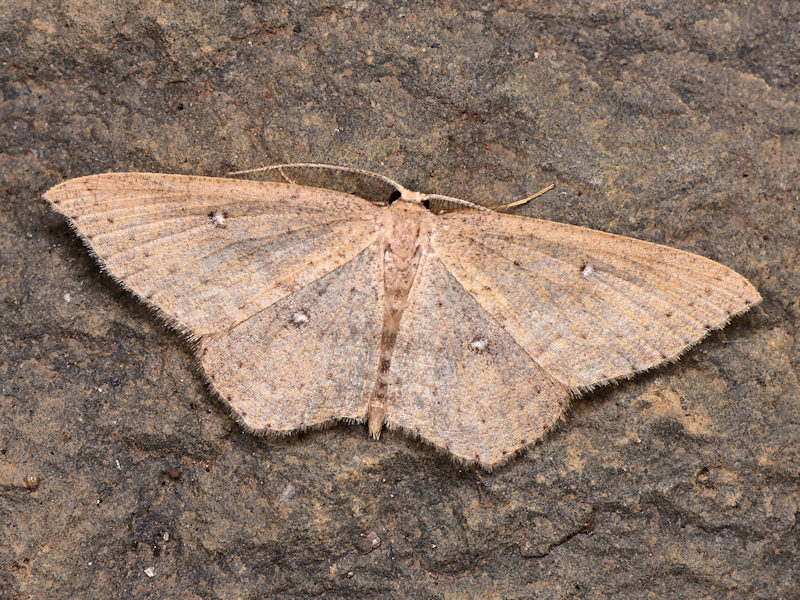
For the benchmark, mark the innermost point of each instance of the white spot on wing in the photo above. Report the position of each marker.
(479, 345)
(587, 270)
(299, 318)
(219, 218)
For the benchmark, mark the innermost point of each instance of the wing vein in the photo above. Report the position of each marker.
(305, 285)
(195, 260)
(556, 305)
(656, 267)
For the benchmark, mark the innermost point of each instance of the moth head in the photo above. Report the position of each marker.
(414, 197)
(406, 195)
(436, 203)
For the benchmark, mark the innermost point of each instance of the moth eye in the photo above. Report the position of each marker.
(426, 203)
(394, 196)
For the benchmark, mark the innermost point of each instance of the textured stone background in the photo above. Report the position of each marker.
(675, 122)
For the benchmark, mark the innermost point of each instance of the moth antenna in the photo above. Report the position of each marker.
(282, 166)
(458, 201)
(285, 176)
(541, 192)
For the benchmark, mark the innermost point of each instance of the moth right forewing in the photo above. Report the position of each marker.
(588, 306)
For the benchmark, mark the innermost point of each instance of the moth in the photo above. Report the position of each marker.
(365, 301)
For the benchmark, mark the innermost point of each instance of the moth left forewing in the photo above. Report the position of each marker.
(209, 252)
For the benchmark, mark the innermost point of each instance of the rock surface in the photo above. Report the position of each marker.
(121, 477)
